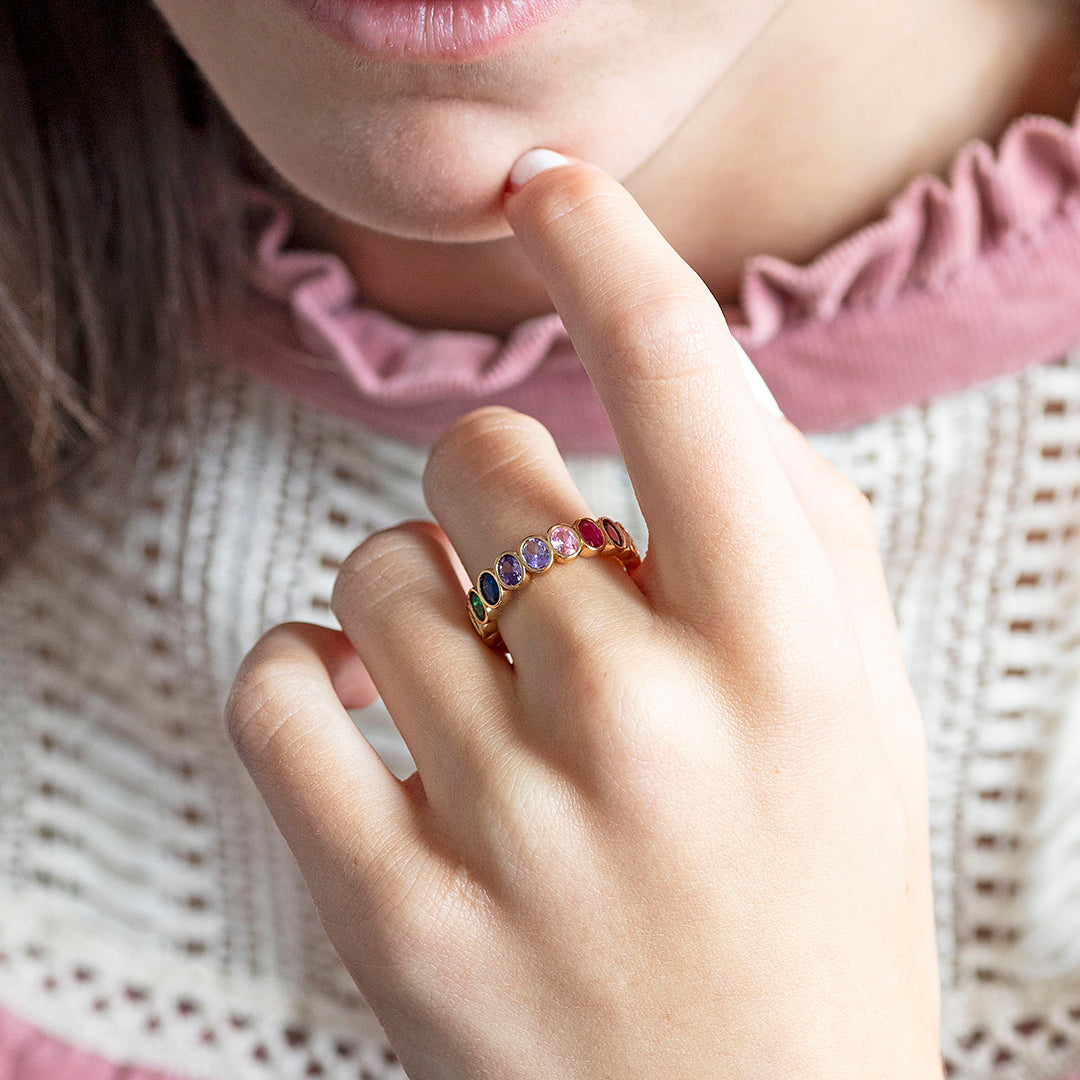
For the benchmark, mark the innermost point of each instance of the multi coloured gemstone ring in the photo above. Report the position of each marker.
(536, 555)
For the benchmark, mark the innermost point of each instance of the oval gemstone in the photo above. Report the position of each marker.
(536, 553)
(590, 533)
(489, 588)
(612, 531)
(477, 606)
(511, 572)
(564, 541)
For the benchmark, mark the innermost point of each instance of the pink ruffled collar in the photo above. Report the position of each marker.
(895, 313)
(932, 232)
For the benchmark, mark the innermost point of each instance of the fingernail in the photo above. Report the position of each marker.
(758, 386)
(531, 163)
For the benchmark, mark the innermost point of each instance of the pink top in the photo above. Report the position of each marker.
(958, 283)
(893, 315)
(29, 1054)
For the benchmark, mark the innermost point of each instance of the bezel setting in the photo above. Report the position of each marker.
(563, 543)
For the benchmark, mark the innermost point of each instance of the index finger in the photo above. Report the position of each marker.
(719, 506)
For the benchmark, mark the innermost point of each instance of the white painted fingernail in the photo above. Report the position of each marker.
(758, 387)
(531, 163)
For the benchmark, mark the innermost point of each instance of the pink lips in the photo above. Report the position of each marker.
(425, 30)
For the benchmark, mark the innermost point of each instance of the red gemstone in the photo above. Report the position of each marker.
(612, 531)
(591, 533)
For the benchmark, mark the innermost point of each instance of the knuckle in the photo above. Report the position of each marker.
(625, 706)
(380, 566)
(526, 820)
(482, 445)
(779, 677)
(668, 336)
(262, 697)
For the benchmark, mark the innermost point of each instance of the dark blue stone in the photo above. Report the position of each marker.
(489, 588)
(511, 572)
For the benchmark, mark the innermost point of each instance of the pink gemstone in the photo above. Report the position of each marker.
(591, 533)
(564, 541)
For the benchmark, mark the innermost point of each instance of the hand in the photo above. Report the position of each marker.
(684, 834)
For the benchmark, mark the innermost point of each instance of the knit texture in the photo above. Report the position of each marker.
(149, 910)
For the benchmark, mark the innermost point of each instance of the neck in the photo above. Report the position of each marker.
(827, 114)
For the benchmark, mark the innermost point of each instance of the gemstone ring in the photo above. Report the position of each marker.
(536, 555)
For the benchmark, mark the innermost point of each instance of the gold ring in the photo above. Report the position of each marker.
(536, 555)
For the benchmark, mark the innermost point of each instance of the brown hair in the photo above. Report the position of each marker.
(112, 151)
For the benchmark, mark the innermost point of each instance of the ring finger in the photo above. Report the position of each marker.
(400, 600)
(493, 479)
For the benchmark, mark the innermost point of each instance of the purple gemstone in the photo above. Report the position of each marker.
(612, 531)
(564, 541)
(536, 553)
(590, 533)
(511, 572)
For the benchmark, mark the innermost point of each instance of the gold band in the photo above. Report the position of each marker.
(536, 555)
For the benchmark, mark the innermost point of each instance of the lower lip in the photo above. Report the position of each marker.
(425, 30)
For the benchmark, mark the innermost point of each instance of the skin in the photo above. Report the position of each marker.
(755, 126)
(687, 835)
(683, 836)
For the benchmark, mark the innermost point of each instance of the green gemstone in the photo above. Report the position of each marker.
(477, 605)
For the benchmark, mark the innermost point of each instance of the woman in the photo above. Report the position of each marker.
(689, 831)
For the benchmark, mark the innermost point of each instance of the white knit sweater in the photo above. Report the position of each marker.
(150, 911)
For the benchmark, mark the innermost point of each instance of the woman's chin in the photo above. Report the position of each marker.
(456, 215)
(432, 196)
(432, 169)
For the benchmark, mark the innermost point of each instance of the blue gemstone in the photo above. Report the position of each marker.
(489, 588)
(511, 572)
(537, 554)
